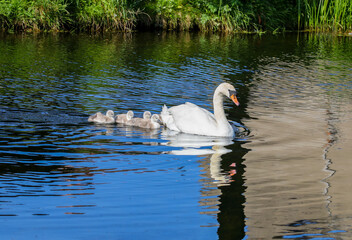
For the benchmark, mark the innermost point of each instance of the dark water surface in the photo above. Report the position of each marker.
(286, 175)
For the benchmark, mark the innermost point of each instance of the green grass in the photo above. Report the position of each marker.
(325, 15)
(34, 15)
(55, 15)
(104, 15)
(181, 15)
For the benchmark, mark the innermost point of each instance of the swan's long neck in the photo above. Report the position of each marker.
(218, 104)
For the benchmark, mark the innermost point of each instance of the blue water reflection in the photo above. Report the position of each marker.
(64, 178)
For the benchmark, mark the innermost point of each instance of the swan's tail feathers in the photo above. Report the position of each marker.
(167, 119)
(164, 115)
(165, 110)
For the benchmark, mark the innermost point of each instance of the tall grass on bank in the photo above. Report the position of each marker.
(183, 15)
(325, 15)
(34, 15)
(202, 15)
(54, 15)
(223, 15)
(93, 15)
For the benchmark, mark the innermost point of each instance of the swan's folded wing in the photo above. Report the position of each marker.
(190, 118)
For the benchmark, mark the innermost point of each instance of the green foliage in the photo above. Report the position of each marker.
(33, 15)
(325, 15)
(271, 15)
(223, 15)
(97, 15)
(205, 15)
(198, 14)
(88, 15)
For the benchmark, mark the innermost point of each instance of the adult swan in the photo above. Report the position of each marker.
(189, 118)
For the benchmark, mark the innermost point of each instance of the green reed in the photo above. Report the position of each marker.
(325, 15)
(54, 15)
(183, 15)
(104, 15)
(34, 15)
(205, 15)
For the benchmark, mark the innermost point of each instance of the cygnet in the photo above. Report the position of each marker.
(124, 118)
(152, 123)
(136, 121)
(101, 118)
(147, 115)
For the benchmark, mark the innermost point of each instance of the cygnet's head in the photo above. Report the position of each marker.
(147, 115)
(110, 113)
(155, 118)
(129, 115)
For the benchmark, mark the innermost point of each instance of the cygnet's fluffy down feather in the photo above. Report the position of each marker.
(124, 118)
(136, 121)
(152, 123)
(101, 118)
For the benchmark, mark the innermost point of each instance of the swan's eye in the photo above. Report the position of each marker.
(232, 92)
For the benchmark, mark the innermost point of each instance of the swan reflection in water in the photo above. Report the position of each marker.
(212, 148)
(222, 186)
(208, 147)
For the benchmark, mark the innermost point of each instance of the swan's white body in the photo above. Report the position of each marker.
(101, 118)
(189, 118)
(124, 118)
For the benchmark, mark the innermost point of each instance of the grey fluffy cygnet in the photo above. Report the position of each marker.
(136, 121)
(147, 115)
(101, 118)
(124, 118)
(152, 123)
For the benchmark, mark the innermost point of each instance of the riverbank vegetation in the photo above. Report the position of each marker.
(203, 15)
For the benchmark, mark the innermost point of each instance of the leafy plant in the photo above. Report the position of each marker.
(204, 15)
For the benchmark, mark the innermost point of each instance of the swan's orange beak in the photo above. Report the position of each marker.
(235, 100)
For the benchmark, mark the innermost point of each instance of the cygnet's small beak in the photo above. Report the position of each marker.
(235, 100)
(159, 121)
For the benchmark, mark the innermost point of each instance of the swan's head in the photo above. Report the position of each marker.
(129, 115)
(229, 91)
(147, 115)
(110, 113)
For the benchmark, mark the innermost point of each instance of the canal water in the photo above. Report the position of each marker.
(285, 175)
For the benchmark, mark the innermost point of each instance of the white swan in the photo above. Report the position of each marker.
(152, 123)
(124, 118)
(189, 118)
(101, 118)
